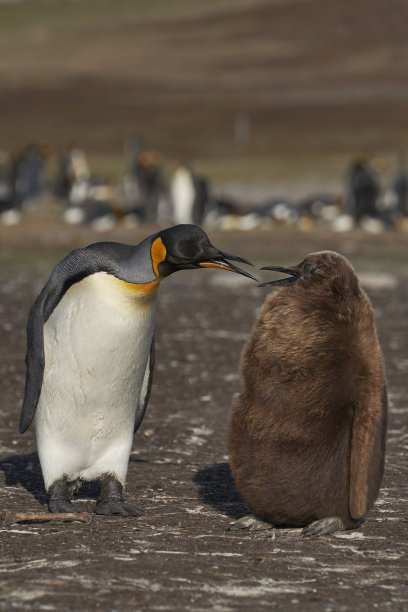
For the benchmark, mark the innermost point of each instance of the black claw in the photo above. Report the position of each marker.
(323, 527)
(250, 523)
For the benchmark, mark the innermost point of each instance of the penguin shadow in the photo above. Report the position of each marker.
(216, 487)
(25, 471)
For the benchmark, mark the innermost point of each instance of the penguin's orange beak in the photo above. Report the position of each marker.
(214, 264)
(221, 263)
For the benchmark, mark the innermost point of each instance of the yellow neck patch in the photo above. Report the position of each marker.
(136, 289)
(158, 254)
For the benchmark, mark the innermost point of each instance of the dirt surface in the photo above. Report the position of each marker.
(176, 555)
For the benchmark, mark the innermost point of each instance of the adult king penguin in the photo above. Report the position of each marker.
(308, 431)
(90, 358)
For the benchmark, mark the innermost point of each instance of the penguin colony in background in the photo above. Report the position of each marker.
(307, 433)
(90, 358)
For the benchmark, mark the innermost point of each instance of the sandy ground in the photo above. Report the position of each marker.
(177, 554)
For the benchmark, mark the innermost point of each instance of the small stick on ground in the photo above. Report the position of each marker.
(9, 518)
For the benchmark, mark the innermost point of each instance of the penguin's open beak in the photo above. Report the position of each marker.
(220, 261)
(294, 275)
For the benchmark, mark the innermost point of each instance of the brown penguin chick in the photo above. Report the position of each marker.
(307, 436)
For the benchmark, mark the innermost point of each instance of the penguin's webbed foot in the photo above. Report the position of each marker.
(250, 523)
(60, 498)
(111, 500)
(323, 527)
(116, 507)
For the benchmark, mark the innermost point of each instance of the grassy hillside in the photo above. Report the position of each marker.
(317, 81)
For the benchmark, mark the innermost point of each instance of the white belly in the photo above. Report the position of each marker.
(97, 343)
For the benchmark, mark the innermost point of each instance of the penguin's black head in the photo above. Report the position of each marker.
(187, 247)
(325, 268)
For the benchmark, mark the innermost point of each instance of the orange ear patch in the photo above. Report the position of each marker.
(158, 254)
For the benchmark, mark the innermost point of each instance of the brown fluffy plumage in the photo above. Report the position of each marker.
(307, 434)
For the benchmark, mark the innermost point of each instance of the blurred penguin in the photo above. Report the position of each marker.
(152, 187)
(28, 173)
(399, 188)
(9, 214)
(182, 192)
(190, 195)
(320, 209)
(74, 178)
(363, 190)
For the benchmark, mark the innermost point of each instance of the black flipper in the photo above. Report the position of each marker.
(367, 450)
(60, 280)
(146, 388)
(34, 360)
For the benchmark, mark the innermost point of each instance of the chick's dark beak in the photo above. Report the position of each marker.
(294, 275)
(220, 262)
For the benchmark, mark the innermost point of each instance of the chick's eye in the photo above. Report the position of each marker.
(309, 267)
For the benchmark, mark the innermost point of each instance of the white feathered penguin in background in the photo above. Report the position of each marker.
(90, 358)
